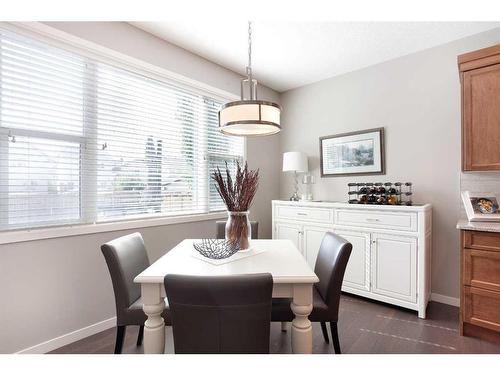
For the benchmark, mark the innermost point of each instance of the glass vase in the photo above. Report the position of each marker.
(238, 229)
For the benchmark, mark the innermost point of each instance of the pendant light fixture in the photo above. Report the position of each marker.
(249, 117)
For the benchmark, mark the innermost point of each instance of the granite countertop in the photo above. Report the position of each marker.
(483, 226)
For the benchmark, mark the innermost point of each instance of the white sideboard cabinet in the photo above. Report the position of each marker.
(391, 254)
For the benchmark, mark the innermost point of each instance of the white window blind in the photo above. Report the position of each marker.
(82, 141)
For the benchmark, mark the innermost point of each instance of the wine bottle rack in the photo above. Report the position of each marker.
(388, 193)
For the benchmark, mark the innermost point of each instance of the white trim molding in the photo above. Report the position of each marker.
(68, 338)
(24, 235)
(445, 299)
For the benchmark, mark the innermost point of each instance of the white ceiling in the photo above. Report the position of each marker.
(286, 55)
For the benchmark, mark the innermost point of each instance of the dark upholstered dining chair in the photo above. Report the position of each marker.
(330, 267)
(220, 314)
(221, 229)
(126, 257)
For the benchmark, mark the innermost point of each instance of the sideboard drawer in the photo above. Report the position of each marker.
(482, 240)
(482, 307)
(377, 219)
(482, 269)
(318, 215)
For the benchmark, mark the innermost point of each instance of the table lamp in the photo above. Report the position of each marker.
(295, 162)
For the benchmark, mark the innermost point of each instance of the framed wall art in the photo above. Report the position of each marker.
(356, 153)
(481, 206)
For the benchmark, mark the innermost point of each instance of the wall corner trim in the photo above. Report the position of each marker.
(70, 337)
(445, 299)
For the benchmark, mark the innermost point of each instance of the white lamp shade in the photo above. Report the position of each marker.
(295, 161)
(250, 118)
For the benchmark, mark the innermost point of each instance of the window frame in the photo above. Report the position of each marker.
(37, 134)
(98, 53)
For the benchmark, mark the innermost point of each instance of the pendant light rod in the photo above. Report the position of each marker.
(252, 83)
(249, 117)
(249, 66)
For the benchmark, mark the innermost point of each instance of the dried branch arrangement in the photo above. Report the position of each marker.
(237, 195)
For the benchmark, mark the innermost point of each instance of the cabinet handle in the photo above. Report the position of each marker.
(370, 219)
(301, 214)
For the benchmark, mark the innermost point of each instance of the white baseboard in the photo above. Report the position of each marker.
(445, 299)
(69, 338)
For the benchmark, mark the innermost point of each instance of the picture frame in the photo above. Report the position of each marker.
(355, 153)
(481, 206)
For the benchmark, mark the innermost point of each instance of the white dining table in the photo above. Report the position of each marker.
(292, 278)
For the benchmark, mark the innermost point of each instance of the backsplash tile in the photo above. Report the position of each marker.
(480, 181)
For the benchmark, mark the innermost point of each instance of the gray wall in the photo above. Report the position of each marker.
(56, 286)
(417, 99)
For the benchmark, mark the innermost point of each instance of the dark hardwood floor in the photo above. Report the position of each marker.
(364, 327)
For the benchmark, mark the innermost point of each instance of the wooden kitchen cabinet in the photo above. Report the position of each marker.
(480, 279)
(482, 308)
(480, 86)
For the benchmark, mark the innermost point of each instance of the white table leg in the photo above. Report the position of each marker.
(154, 327)
(301, 325)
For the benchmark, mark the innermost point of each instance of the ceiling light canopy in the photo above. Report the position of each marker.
(250, 117)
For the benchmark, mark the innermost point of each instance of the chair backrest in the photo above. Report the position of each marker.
(126, 257)
(220, 314)
(221, 229)
(330, 267)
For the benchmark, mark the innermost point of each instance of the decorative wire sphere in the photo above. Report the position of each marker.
(215, 249)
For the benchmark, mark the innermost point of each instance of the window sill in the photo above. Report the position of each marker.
(82, 229)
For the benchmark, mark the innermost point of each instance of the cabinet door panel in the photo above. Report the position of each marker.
(481, 119)
(313, 236)
(406, 221)
(357, 274)
(482, 269)
(301, 213)
(481, 240)
(394, 266)
(482, 307)
(287, 231)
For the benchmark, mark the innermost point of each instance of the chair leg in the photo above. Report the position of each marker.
(120, 335)
(140, 335)
(325, 332)
(335, 337)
